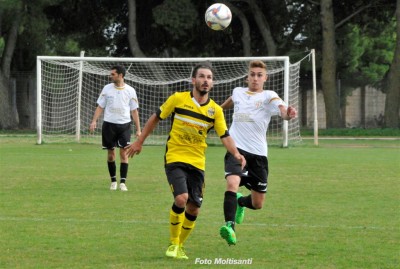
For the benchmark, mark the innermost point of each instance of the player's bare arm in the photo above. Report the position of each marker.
(230, 145)
(288, 113)
(228, 103)
(136, 147)
(97, 113)
(135, 117)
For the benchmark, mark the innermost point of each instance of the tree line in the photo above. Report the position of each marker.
(356, 41)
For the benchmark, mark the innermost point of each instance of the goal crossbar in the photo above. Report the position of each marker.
(68, 88)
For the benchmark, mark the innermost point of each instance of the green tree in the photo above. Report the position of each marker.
(392, 105)
(366, 49)
(365, 52)
(77, 25)
(365, 55)
(336, 16)
(328, 73)
(345, 33)
(9, 34)
(132, 30)
(178, 18)
(24, 28)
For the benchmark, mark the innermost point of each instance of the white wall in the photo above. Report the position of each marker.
(374, 109)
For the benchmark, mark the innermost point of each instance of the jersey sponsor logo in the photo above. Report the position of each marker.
(192, 139)
(191, 123)
(242, 117)
(187, 106)
(117, 110)
(109, 98)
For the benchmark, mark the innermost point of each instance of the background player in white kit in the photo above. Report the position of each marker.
(119, 102)
(253, 109)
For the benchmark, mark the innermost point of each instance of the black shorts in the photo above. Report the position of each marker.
(185, 178)
(115, 135)
(254, 176)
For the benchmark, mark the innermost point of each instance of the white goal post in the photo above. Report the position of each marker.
(68, 88)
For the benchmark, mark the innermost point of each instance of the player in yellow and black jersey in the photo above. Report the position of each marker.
(191, 123)
(193, 114)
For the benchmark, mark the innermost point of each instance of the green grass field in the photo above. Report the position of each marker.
(332, 206)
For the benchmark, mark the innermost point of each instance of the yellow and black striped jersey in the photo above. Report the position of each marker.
(190, 125)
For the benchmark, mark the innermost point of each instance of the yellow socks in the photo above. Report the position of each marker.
(181, 224)
(175, 224)
(187, 228)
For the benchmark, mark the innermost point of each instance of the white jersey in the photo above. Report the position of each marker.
(251, 117)
(118, 102)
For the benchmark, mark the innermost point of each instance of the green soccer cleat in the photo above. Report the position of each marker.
(181, 255)
(172, 251)
(228, 234)
(239, 211)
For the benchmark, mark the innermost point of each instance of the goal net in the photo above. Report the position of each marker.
(68, 88)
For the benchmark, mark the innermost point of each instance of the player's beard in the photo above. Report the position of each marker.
(201, 90)
(117, 82)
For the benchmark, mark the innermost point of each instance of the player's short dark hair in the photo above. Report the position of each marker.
(206, 65)
(120, 69)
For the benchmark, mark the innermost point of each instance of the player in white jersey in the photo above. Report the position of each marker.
(119, 103)
(253, 109)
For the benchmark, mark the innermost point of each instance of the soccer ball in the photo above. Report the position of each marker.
(218, 16)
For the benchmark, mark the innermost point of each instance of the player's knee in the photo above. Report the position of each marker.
(181, 200)
(124, 159)
(111, 155)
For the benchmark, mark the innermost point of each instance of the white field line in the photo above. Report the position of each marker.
(351, 138)
(270, 225)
